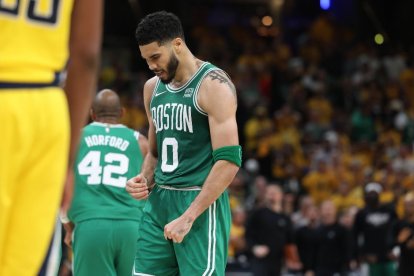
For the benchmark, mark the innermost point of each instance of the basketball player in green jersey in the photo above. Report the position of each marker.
(104, 215)
(191, 107)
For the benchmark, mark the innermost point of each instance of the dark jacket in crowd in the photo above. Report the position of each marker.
(325, 249)
(266, 227)
(373, 232)
(307, 239)
(333, 250)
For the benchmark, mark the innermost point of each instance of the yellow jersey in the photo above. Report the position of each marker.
(34, 38)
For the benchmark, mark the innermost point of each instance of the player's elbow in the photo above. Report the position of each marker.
(154, 152)
(234, 168)
(229, 167)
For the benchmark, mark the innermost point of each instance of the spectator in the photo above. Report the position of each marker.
(269, 234)
(333, 246)
(404, 231)
(320, 183)
(363, 127)
(301, 217)
(258, 125)
(306, 238)
(256, 199)
(237, 247)
(345, 197)
(373, 233)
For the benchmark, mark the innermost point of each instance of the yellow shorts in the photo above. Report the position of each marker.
(34, 145)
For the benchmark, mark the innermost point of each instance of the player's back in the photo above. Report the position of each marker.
(34, 39)
(108, 156)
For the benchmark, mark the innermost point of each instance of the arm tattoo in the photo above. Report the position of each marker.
(222, 77)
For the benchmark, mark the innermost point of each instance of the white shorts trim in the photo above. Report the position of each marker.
(211, 255)
(192, 188)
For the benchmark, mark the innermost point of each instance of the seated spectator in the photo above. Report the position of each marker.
(363, 126)
(345, 197)
(320, 183)
(256, 127)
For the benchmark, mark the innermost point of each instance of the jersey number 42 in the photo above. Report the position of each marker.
(111, 173)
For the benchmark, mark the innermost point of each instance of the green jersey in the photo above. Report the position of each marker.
(108, 156)
(182, 131)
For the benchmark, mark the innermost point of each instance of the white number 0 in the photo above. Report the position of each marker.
(166, 143)
(90, 165)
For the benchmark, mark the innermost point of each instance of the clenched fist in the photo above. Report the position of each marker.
(137, 187)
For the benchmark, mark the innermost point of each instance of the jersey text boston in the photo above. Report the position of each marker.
(172, 116)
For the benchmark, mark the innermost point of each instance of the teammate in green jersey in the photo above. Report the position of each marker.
(191, 107)
(105, 216)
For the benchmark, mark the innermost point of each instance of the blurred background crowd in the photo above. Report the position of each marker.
(326, 106)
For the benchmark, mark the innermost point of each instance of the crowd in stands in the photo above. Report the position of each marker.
(323, 118)
(320, 117)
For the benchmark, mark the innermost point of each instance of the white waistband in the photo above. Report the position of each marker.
(192, 188)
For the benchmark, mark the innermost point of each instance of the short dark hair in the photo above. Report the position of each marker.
(159, 27)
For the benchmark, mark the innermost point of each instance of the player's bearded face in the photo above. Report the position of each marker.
(171, 69)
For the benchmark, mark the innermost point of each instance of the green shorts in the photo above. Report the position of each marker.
(203, 250)
(104, 247)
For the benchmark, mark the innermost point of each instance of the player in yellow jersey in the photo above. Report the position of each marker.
(37, 40)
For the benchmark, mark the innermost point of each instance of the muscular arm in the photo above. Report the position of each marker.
(84, 48)
(217, 97)
(151, 158)
(143, 145)
(148, 90)
(137, 186)
(150, 161)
